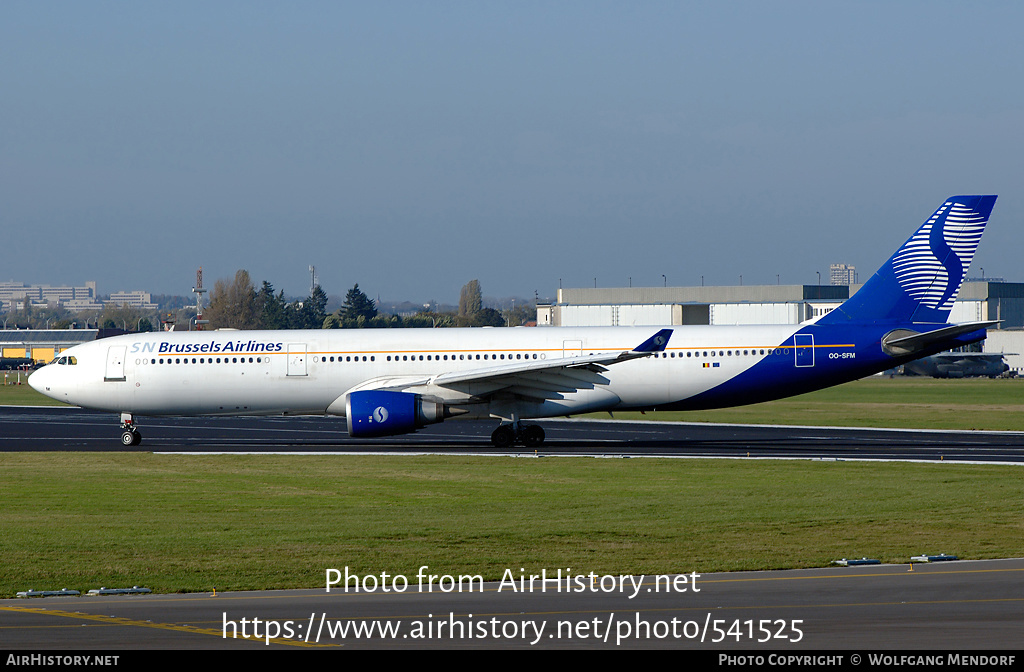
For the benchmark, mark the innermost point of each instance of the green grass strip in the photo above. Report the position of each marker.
(189, 523)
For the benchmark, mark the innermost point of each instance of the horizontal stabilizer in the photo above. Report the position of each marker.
(911, 343)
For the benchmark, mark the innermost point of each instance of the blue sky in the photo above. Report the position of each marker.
(413, 146)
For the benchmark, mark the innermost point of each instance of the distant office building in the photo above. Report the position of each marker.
(136, 299)
(843, 274)
(17, 291)
(17, 295)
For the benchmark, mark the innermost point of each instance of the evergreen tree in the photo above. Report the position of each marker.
(357, 305)
(270, 309)
(488, 317)
(314, 309)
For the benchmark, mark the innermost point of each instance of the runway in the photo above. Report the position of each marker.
(950, 606)
(59, 429)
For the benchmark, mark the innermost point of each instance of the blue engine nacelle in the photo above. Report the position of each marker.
(385, 413)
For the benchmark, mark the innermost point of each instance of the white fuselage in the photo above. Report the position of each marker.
(308, 372)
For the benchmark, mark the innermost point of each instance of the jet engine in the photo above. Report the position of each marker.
(386, 413)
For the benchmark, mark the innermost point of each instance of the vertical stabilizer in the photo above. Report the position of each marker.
(921, 281)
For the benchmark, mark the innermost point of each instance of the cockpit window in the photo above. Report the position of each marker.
(64, 361)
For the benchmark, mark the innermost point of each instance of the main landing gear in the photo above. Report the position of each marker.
(507, 434)
(130, 435)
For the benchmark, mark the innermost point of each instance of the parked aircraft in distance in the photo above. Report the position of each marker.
(958, 365)
(390, 382)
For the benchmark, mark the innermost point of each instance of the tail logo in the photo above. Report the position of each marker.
(931, 266)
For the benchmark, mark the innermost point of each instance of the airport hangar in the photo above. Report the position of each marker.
(979, 300)
(42, 345)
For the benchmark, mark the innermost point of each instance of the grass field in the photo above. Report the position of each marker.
(188, 523)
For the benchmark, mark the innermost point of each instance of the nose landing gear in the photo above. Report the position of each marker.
(130, 435)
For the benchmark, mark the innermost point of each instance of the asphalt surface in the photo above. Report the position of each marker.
(53, 428)
(948, 606)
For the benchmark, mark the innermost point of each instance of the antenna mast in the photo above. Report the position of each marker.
(199, 291)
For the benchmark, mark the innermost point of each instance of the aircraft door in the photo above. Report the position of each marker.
(296, 359)
(572, 348)
(115, 363)
(804, 349)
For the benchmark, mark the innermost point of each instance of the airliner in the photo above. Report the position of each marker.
(394, 381)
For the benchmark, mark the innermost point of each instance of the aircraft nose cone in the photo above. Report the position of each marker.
(35, 381)
(39, 381)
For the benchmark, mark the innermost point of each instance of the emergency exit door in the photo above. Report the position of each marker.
(115, 363)
(804, 349)
(296, 359)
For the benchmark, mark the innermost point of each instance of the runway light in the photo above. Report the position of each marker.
(134, 590)
(941, 557)
(863, 561)
(47, 593)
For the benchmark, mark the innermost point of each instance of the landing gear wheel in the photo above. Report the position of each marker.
(131, 437)
(503, 437)
(533, 436)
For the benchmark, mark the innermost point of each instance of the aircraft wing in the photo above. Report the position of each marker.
(535, 379)
(656, 343)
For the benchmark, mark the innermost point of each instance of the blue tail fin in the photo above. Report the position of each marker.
(920, 282)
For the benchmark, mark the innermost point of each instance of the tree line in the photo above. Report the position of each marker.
(238, 304)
